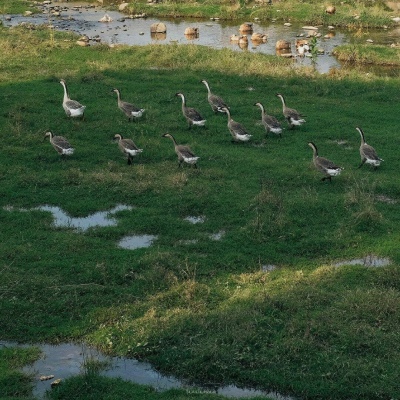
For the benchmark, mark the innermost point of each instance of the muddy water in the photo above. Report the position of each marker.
(122, 30)
(67, 360)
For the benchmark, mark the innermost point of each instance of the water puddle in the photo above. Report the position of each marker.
(368, 261)
(63, 220)
(85, 20)
(136, 241)
(217, 236)
(67, 360)
(195, 220)
(268, 267)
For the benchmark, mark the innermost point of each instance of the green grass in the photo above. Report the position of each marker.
(100, 388)
(13, 383)
(353, 14)
(367, 54)
(203, 310)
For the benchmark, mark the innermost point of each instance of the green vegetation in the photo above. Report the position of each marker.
(201, 309)
(15, 7)
(100, 388)
(352, 14)
(367, 54)
(13, 383)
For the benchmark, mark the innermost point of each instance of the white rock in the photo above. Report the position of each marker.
(122, 6)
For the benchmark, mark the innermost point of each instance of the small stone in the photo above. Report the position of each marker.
(56, 382)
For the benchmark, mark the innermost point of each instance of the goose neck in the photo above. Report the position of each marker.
(361, 134)
(66, 95)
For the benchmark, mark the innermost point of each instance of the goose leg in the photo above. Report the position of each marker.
(362, 163)
(129, 160)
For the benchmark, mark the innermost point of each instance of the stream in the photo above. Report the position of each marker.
(65, 360)
(84, 19)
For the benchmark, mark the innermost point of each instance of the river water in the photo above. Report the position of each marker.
(83, 19)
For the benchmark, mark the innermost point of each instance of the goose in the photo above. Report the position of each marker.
(71, 107)
(127, 147)
(130, 110)
(323, 165)
(270, 123)
(184, 153)
(293, 117)
(216, 102)
(367, 152)
(60, 144)
(192, 116)
(236, 129)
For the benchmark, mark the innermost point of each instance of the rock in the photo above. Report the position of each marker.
(123, 6)
(330, 10)
(56, 382)
(158, 27)
(28, 13)
(190, 31)
(246, 27)
(282, 44)
(46, 377)
(370, 41)
(287, 24)
(310, 28)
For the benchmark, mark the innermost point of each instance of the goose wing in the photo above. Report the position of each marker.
(272, 122)
(61, 142)
(217, 102)
(185, 151)
(73, 105)
(237, 129)
(327, 166)
(293, 114)
(127, 146)
(129, 108)
(193, 114)
(61, 145)
(369, 152)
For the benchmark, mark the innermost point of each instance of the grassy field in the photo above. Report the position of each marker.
(205, 310)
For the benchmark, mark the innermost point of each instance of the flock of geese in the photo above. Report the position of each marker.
(239, 133)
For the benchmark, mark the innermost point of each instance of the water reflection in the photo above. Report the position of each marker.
(63, 220)
(136, 241)
(368, 261)
(195, 220)
(68, 359)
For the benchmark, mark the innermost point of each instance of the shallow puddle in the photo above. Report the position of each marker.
(63, 220)
(136, 241)
(67, 360)
(368, 261)
(217, 236)
(195, 220)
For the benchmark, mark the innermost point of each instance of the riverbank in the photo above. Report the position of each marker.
(353, 15)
